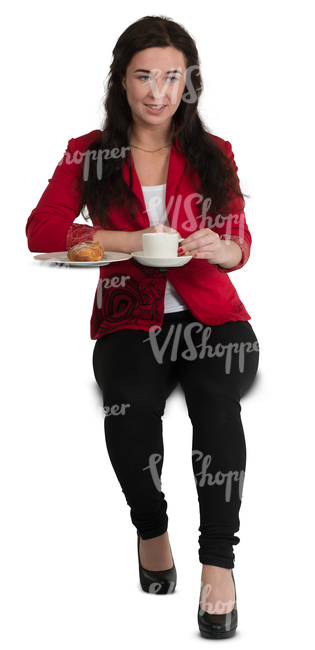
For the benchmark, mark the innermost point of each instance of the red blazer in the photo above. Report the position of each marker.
(138, 302)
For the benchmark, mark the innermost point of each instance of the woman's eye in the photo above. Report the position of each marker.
(146, 77)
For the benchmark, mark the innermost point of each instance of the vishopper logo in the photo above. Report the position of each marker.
(153, 461)
(191, 353)
(218, 608)
(220, 477)
(77, 158)
(206, 478)
(115, 409)
(174, 75)
(180, 205)
(107, 283)
(155, 587)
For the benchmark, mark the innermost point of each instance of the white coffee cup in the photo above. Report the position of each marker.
(160, 244)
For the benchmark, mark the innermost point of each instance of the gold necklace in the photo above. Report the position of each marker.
(167, 145)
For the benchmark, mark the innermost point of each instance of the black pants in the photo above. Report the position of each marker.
(137, 371)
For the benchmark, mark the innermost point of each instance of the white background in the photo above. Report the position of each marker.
(69, 572)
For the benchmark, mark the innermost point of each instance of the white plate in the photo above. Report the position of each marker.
(161, 261)
(61, 258)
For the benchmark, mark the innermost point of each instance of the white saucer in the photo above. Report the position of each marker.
(62, 258)
(161, 261)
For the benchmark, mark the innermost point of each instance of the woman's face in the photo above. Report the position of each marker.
(154, 84)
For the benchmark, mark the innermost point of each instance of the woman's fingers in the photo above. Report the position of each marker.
(201, 241)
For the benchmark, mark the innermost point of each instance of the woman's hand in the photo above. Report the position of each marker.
(206, 244)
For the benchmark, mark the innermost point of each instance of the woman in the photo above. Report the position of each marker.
(154, 167)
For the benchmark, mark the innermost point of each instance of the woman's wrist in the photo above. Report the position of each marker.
(230, 256)
(115, 240)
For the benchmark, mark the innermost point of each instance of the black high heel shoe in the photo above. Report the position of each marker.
(157, 582)
(218, 626)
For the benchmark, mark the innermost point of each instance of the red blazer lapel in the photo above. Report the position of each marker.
(173, 200)
(142, 216)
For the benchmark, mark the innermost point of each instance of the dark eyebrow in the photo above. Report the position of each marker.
(148, 71)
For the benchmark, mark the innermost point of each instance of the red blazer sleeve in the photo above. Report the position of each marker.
(233, 227)
(50, 226)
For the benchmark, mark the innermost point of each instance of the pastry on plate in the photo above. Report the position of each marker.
(87, 251)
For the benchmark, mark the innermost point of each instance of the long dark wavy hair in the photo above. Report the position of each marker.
(217, 177)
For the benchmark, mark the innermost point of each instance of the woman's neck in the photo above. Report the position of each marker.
(151, 136)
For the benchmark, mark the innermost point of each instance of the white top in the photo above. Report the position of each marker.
(154, 197)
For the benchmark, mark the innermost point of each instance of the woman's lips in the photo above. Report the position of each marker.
(155, 110)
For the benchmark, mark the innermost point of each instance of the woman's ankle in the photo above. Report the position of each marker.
(217, 592)
(155, 553)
